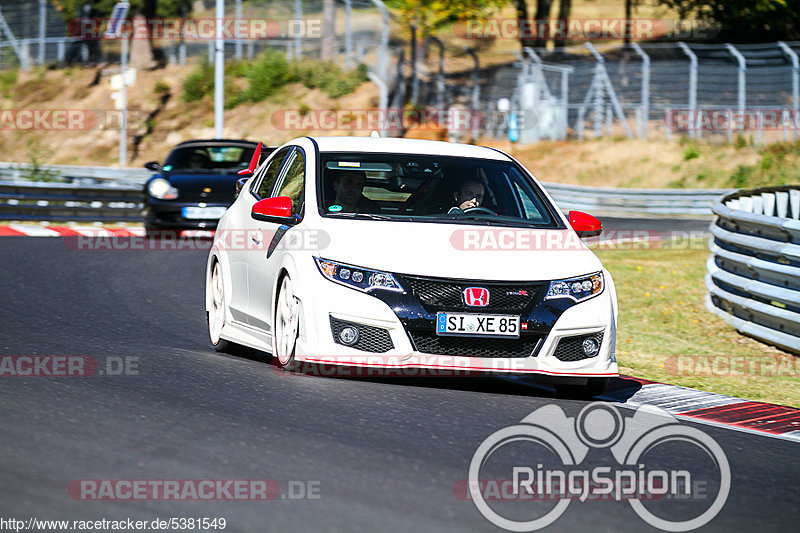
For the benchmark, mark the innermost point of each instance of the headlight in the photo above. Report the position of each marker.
(161, 189)
(578, 289)
(362, 279)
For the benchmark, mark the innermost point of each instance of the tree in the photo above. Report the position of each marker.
(523, 24)
(744, 20)
(564, 8)
(71, 9)
(542, 18)
(429, 15)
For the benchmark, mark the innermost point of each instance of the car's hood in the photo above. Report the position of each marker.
(456, 251)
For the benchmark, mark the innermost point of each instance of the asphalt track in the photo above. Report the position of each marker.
(386, 453)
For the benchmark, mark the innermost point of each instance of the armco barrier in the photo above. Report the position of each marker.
(621, 201)
(28, 200)
(753, 277)
(123, 177)
(66, 202)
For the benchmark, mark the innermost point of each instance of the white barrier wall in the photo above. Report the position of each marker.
(753, 277)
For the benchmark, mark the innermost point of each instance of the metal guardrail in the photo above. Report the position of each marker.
(114, 194)
(753, 274)
(67, 202)
(76, 174)
(611, 200)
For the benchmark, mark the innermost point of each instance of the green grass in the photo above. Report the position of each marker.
(663, 321)
(267, 75)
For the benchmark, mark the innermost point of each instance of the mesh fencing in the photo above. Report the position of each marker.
(293, 26)
(699, 89)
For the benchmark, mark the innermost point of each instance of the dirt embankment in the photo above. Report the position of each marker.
(159, 119)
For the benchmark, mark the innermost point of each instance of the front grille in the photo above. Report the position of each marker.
(430, 343)
(370, 338)
(437, 294)
(571, 348)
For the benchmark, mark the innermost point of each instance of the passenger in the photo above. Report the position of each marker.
(348, 187)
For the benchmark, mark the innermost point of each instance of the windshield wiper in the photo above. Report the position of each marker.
(370, 216)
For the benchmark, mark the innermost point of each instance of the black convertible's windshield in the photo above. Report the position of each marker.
(209, 159)
(402, 186)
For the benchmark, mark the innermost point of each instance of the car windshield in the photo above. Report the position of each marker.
(209, 159)
(430, 188)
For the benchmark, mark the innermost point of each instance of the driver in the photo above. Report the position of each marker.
(469, 195)
(197, 160)
(348, 186)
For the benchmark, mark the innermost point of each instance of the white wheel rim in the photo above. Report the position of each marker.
(286, 322)
(216, 315)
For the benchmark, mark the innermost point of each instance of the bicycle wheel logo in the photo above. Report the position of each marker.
(551, 469)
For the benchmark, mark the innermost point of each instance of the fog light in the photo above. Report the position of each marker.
(591, 346)
(348, 335)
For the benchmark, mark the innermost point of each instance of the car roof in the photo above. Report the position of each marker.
(218, 142)
(406, 146)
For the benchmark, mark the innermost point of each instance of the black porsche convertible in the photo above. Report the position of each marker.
(196, 183)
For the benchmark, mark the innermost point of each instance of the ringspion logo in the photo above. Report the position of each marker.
(654, 464)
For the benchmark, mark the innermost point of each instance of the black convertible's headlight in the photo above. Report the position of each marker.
(362, 279)
(578, 289)
(161, 189)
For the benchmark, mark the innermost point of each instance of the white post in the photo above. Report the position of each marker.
(238, 45)
(383, 50)
(298, 38)
(795, 81)
(348, 35)
(692, 88)
(383, 99)
(42, 29)
(219, 74)
(123, 96)
(645, 89)
(742, 69)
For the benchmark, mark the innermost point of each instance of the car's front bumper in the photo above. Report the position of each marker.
(169, 215)
(391, 313)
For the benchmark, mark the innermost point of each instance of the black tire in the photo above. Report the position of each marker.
(592, 388)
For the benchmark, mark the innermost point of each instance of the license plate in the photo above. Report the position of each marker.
(204, 212)
(469, 325)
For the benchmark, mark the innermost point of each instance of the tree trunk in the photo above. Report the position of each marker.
(524, 25)
(542, 22)
(564, 8)
(328, 52)
(628, 10)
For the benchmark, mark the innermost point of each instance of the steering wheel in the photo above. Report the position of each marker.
(479, 210)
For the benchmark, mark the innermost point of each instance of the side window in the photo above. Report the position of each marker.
(270, 173)
(292, 183)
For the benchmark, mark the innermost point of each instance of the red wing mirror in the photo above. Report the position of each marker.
(585, 225)
(253, 162)
(275, 209)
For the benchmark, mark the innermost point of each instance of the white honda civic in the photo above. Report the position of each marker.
(410, 254)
